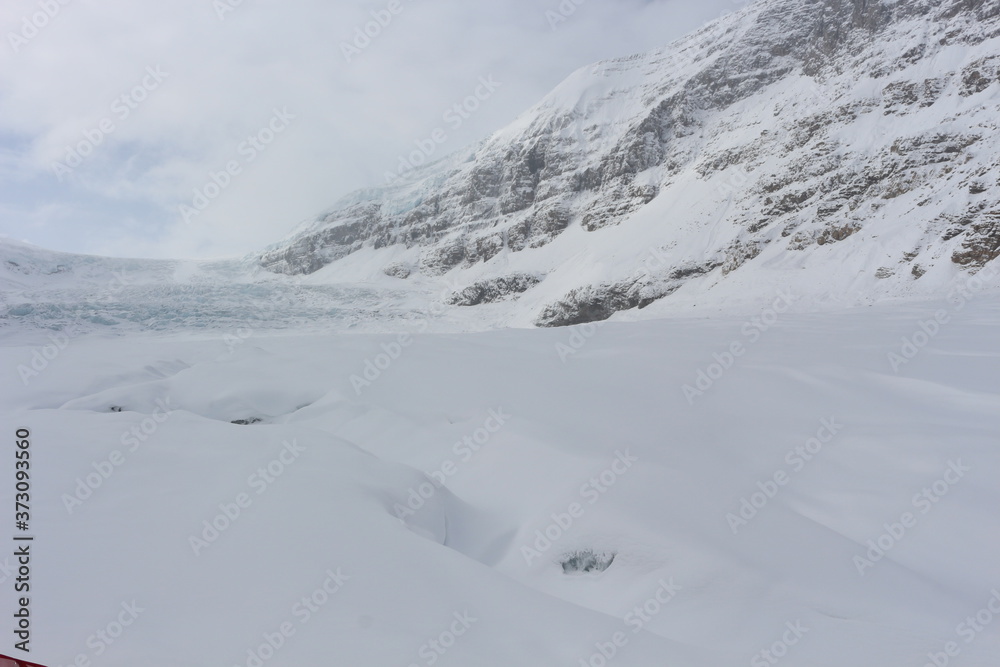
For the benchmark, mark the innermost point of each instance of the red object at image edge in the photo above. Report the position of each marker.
(7, 661)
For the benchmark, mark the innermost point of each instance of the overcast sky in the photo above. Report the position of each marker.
(114, 112)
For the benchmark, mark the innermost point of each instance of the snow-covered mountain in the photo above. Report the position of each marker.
(844, 149)
(848, 147)
(246, 484)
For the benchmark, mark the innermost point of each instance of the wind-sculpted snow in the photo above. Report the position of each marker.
(688, 492)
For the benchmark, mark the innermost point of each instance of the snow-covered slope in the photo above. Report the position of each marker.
(437, 500)
(849, 146)
(222, 473)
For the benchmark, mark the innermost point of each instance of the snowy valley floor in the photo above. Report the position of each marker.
(810, 501)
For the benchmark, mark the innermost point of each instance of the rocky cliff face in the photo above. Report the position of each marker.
(761, 142)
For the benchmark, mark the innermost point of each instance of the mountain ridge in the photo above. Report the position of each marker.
(841, 151)
(767, 118)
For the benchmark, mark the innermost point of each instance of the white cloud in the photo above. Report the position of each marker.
(225, 77)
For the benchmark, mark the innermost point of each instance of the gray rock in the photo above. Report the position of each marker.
(494, 289)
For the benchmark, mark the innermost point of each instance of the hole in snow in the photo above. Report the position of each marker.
(587, 560)
(247, 421)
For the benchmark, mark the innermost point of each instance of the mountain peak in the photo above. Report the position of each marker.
(825, 136)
